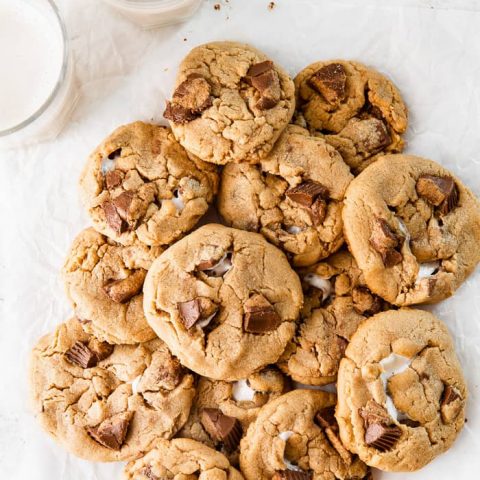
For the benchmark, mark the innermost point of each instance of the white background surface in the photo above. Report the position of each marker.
(124, 73)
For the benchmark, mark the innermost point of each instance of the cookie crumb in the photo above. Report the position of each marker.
(185, 39)
(217, 6)
(271, 5)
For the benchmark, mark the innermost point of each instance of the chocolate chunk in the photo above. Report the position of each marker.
(102, 350)
(373, 412)
(307, 192)
(122, 203)
(373, 136)
(194, 310)
(115, 222)
(365, 302)
(178, 114)
(263, 77)
(292, 475)
(121, 291)
(222, 428)
(147, 472)
(170, 374)
(189, 100)
(216, 268)
(189, 312)
(79, 354)
(206, 264)
(441, 192)
(326, 418)
(386, 242)
(111, 432)
(113, 179)
(260, 315)
(318, 211)
(450, 404)
(382, 437)
(409, 422)
(330, 81)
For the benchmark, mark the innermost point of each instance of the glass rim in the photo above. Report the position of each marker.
(60, 80)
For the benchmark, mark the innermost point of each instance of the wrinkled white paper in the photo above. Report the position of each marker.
(125, 73)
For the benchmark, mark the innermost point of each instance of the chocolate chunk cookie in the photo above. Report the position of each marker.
(230, 103)
(235, 402)
(294, 197)
(104, 282)
(224, 300)
(413, 228)
(141, 185)
(336, 302)
(181, 459)
(296, 437)
(107, 402)
(356, 109)
(401, 392)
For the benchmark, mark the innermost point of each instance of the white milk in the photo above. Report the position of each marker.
(31, 54)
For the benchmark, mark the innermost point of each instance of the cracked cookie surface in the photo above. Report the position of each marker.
(181, 459)
(293, 197)
(246, 103)
(104, 281)
(413, 229)
(297, 432)
(241, 400)
(224, 300)
(336, 302)
(399, 419)
(103, 402)
(141, 185)
(355, 108)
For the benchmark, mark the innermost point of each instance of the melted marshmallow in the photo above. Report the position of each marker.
(108, 165)
(222, 267)
(293, 229)
(203, 323)
(393, 365)
(177, 200)
(319, 282)
(135, 383)
(404, 229)
(427, 269)
(242, 392)
(290, 466)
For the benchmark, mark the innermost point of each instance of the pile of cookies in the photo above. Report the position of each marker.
(206, 352)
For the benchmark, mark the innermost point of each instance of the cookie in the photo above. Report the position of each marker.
(225, 301)
(294, 197)
(181, 459)
(413, 228)
(107, 402)
(296, 437)
(401, 392)
(139, 184)
(236, 402)
(336, 302)
(355, 108)
(230, 103)
(104, 281)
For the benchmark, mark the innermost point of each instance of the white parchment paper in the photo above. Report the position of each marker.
(431, 48)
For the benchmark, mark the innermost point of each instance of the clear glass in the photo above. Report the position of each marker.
(155, 13)
(47, 121)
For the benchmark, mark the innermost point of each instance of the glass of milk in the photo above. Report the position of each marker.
(155, 13)
(37, 88)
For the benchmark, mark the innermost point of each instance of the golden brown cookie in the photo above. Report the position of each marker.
(224, 300)
(413, 228)
(106, 402)
(293, 197)
(401, 392)
(140, 184)
(355, 108)
(230, 103)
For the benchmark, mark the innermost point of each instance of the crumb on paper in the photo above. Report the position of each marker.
(217, 6)
(185, 39)
(271, 5)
